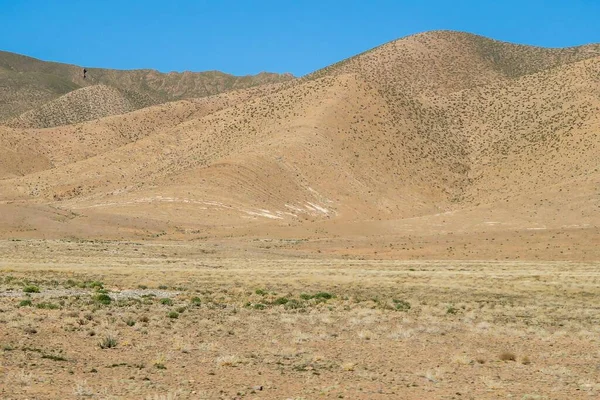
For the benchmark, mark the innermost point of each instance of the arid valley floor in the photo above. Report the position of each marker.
(196, 322)
(420, 221)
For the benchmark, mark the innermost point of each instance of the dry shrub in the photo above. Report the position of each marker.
(508, 356)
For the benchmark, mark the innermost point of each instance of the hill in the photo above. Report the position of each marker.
(27, 83)
(85, 104)
(435, 145)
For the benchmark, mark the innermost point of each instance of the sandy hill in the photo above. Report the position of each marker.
(435, 145)
(441, 62)
(27, 83)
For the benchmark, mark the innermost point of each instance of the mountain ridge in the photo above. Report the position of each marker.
(45, 81)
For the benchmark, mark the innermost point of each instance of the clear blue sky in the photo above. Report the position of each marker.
(249, 36)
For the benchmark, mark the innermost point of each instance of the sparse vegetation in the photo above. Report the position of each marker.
(31, 289)
(108, 342)
(272, 241)
(53, 357)
(47, 306)
(25, 303)
(102, 298)
(196, 301)
(401, 305)
(166, 302)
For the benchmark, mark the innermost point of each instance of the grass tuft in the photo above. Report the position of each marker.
(108, 342)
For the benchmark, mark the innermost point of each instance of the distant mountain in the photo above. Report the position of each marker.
(27, 83)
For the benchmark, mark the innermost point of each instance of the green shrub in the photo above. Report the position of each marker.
(195, 301)
(323, 295)
(102, 298)
(166, 302)
(95, 285)
(281, 301)
(261, 292)
(31, 289)
(306, 296)
(173, 314)
(25, 303)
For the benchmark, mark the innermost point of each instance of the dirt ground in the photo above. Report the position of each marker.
(127, 320)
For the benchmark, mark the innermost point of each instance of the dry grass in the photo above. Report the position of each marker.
(226, 344)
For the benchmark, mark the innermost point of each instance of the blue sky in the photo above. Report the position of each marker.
(249, 36)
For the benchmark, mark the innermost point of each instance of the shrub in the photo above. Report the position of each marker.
(195, 301)
(70, 283)
(130, 321)
(293, 304)
(281, 301)
(95, 285)
(323, 295)
(108, 342)
(166, 301)
(261, 292)
(173, 314)
(31, 289)
(306, 296)
(102, 298)
(25, 303)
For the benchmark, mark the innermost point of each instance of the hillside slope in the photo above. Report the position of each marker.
(27, 83)
(442, 140)
(441, 62)
(85, 104)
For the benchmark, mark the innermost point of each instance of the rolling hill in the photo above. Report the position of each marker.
(27, 84)
(442, 144)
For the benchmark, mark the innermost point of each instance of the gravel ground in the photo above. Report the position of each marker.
(124, 294)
